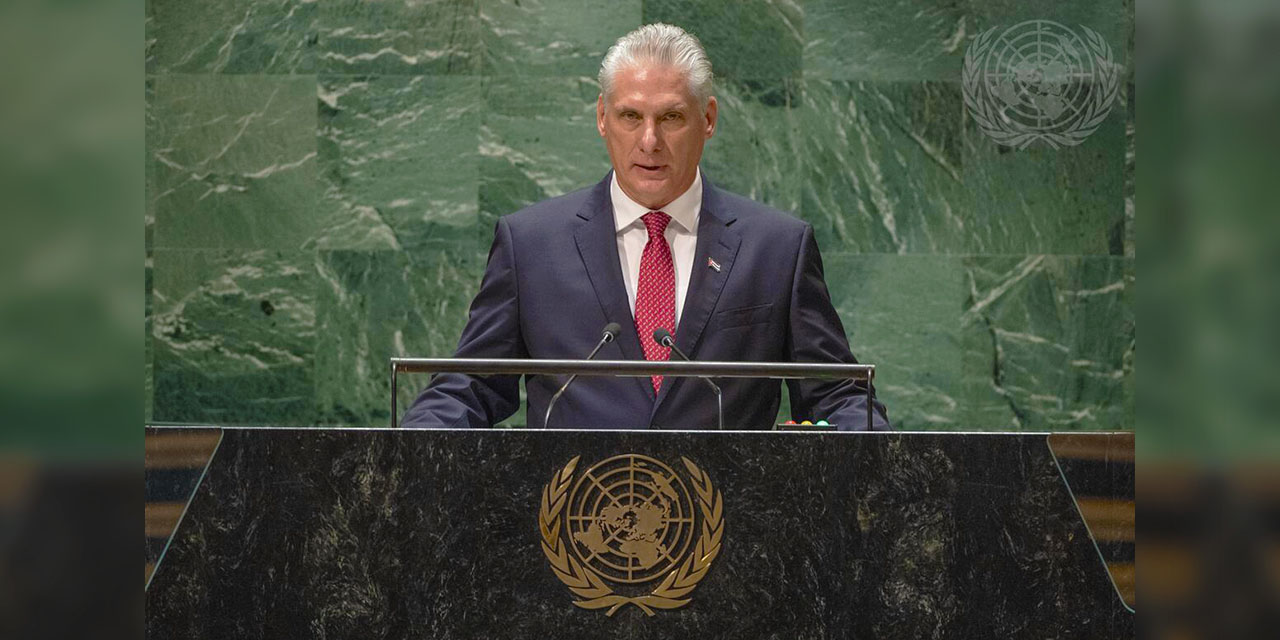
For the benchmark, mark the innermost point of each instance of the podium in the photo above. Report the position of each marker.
(382, 533)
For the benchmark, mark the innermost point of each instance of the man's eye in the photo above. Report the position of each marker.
(672, 116)
(630, 115)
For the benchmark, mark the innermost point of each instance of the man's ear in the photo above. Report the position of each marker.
(600, 114)
(711, 115)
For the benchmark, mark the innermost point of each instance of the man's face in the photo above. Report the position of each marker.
(654, 130)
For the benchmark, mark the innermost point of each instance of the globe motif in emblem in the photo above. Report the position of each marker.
(1040, 71)
(630, 518)
(1039, 80)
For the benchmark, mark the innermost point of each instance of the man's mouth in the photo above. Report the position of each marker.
(650, 168)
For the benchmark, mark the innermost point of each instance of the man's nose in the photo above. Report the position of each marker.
(650, 137)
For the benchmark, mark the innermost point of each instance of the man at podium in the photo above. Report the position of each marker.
(652, 248)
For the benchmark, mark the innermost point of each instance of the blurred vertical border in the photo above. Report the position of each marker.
(1208, 218)
(71, 285)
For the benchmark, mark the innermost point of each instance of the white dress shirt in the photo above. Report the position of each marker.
(681, 234)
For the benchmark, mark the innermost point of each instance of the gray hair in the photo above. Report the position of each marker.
(662, 44)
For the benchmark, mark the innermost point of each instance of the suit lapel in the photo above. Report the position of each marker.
(597, 241)
(716, 243)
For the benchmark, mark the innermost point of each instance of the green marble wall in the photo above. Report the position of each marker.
(323, 178)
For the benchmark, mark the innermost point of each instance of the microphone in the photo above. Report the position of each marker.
(663, 338)
(610, 332)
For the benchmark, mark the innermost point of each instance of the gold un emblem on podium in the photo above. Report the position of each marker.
(630, 521)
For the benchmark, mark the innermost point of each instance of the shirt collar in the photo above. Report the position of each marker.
(683, 210)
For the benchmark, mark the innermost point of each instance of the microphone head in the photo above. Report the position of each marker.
(662, 337)
(611, 331)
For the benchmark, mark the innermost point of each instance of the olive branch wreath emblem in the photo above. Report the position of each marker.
(587, 584)
(993, 122)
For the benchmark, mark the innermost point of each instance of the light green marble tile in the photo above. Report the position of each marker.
(1049, 343)
(756, 149)
(234, 337)
(373, 305)
(745, 39)
(235, 161)
(538, 140)
(399, 37)
(231, 36)
(900, 314)
(1041, 200)
(884, 166)
(398, 160)
(552, 37)
(885, 39)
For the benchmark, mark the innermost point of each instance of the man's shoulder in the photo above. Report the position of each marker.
(755, 217)
(552, 211)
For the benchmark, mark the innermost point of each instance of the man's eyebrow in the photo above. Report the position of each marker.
(678, 106)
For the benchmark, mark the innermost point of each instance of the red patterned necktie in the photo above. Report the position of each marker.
(656, 290)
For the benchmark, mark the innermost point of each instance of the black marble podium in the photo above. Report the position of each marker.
(310, 533)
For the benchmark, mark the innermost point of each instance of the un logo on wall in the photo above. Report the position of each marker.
(1039, 80)
(627, 521)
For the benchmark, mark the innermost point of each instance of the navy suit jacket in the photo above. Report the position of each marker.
(554, 281)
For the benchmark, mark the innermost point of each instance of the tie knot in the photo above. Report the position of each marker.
(656, 222)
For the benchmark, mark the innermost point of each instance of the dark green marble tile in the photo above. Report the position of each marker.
(373, 305)
(1128, 95)
(1044, 200)
(756, 149)
(552, 37)
(148, 231)
(1049, 343)
(885, 39)
(538, 140)
(745, 39)
(900, 314)
(235, 161)
(398, 160)
(151, 132)
(234, 335)
(399, 37)
(884, 166)
(231, 36)
(1041, 200)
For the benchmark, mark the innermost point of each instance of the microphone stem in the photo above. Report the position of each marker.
(552, 403)
(671, 344)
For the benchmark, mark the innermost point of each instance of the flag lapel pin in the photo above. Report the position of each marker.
(713, 264)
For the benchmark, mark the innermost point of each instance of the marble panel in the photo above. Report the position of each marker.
(373, 305)
(398, 160)
(538, 140)
(235, 161)
(1049, 343)
(148, 369)
(745, 39)
(234, 336)
(409, 533)
(231, 36)
(756, 150)
(1108, 18)
(900, 313)
(1040, 200)
(399, 37)
(885, 39)
(552, 37)
(148, 230)
(884, 166)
